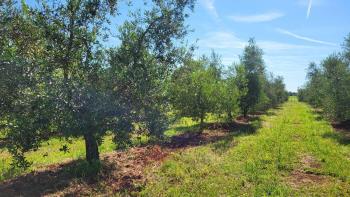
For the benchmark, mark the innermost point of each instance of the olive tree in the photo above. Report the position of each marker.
(72, 90)
(194, 90)
(141, 66)
(337, 92)
(254, 68)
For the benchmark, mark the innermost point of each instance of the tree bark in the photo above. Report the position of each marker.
(201, 124)
(245, 112)
(91, 146)
(230, 117)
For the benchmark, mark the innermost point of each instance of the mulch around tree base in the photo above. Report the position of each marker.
(122, 171)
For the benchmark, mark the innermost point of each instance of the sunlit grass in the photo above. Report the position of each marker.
(262, 163)
(49, 152)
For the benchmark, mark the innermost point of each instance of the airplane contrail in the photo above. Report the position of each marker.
(309, 9)
(286, 32)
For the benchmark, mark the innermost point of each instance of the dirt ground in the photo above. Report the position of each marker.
(122, 171)
(305, 175)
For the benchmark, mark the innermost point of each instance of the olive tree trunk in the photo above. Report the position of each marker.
(91, 147)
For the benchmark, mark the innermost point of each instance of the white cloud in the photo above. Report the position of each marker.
(309, 9)
(221, 40)
(309, 4)
(285, 59)
(278, 46)
(305, 3)
(228, 40)
(265, 17)
(282, 31)
(209, 5)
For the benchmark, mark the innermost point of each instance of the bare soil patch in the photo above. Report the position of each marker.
(299, 178)
(309, 161)
(306, 175)
(248, 119)
(342, 126)
(122, 171)
(343, 132)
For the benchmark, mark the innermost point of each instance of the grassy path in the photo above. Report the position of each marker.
(292, 154)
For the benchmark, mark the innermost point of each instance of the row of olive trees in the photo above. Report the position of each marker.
(328, 85)
(56, 78)
(202, 86)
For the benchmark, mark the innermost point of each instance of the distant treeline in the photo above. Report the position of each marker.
(57, 78)
(328, 85)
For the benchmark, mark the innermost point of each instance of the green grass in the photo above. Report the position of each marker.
(49, 152)
(189, 125)
(246, 163)
(261, 163)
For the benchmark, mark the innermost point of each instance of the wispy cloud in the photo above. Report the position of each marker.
(209, 5)
(309, 9)
(272, 46)
(285, 59)
(221, 40)
(305, 3)
(310, 4)
(265, 17)
(283, 31)
(228, 40)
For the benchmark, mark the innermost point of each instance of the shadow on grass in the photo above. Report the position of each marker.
(271, 113)
(123, 168)
(220, 133)
(185, 129)
(49, 181)
(235, 130)
(341, 134)
(339, 137)
(2, 143)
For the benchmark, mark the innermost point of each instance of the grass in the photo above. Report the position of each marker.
(290, 151)
(291, 155)
(49, 152)
(189, 125)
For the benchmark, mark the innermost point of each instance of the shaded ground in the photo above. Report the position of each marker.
(2, 143)
(121, 171)
(342, 134)
(342, 126)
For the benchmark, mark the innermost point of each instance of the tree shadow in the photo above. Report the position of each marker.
(271, 113)
(236, 129)
(123, 170)
(3, 140)
(39, 183)
(342, 126)
(214, 132)
(2, 143)
(184, 129)
(341, 133)
(341, 138)
(118, 171)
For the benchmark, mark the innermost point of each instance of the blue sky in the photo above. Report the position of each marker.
(292, 33)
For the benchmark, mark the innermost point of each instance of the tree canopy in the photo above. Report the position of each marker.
(58, 77)
(328, 85)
